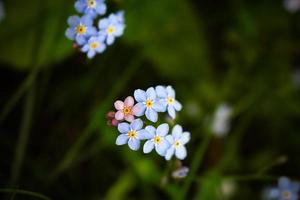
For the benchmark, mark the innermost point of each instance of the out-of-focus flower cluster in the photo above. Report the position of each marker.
(148, 105)
(87, 37)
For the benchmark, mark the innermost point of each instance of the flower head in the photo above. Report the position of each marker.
(180, 173)
(91, 7)
(112, 27)
(124, 109)
(148, 104)
(156, 138)
(94, 45)
(286, 190)
(80, 29)
(177, 141)
(167, 98)
(131, 133)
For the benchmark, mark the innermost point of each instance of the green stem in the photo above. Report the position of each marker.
(25, 192)
(23, 136)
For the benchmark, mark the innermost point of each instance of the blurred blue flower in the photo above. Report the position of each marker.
(94, 45)
(2, 12)
(221, 120)
(91, 7)
(112, 27)
(167, 98)
(120, 16)
(292, 5)
(286, 190)
(80, 29)
(132, 134)
(177, 141)
(157, 139)
(180, 173)
(148, 104)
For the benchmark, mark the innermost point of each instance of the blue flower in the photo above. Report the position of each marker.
(167, 98)
(91, 7)
(80, 29)
(94, 45)
(132, 134)
(286, 190)
(120, 16)
(112, 27)
(157, 139)
(2, 12)
(177, 141)
(180, 173)
(148, 104)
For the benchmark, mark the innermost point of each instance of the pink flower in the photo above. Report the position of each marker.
(125, 109)
(110, 116)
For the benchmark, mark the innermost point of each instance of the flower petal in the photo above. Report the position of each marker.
(138, 109)
(177, 131)
(162, 129)
(129, 101)
(185, 137)
(119, 105)
(151, 115)
(161, 91)
(140, 95)
(122, 139)
(136, 124)
(123, 127)
(70, 33)
(148, 146)
(91, 53)
(158, 106)
(134, 144)
(151, 93)
(170, 153)
(129, 118)
(171, 111)
(73, 20)
(151, 130)
(180, 152)
(170, 91)
(177, 105)
(170, 139)
(119, 115)
(284, 183)
(162, 147)
(144, 135)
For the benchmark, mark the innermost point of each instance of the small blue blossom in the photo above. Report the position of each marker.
(180, 173)
(2, 12)
(148, 104)
(94, 45)
(112, 27)
(157, 139)
(91, 7)
(286, 190)
(167, 98)
(132, 134)
(80, 29)
(177, 141)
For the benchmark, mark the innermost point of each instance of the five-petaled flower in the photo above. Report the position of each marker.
(167, 98)
(148, 104)
(125, 109)
(112, 27)
(94, 45)
(91, 7)
(80, 29)
(157, 139)
(131, 133)
(177, 141)
(286, 190)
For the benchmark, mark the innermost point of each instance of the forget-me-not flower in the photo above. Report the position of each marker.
(111, 27)
(124, 109)
(81, 28)
(131, 133)
(157, 139)
(177, 141)
(91, 7)
(148, 104)
(94, 45)
(286, 190)
(167, 98)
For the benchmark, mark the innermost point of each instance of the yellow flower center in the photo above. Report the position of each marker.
(80, 29)
(286, 194)
(157, 139)
(170, 100)
(91, 3)
(149, 103)
(110, 30)
(177, 144)
(94, 45)
(127, 110)
(132, 134)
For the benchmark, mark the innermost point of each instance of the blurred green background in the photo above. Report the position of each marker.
(54, 139)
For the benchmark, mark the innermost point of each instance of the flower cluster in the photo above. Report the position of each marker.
(150, 103)
(86, 36)
(286, 190)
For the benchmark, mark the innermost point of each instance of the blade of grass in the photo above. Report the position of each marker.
(25, 192)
